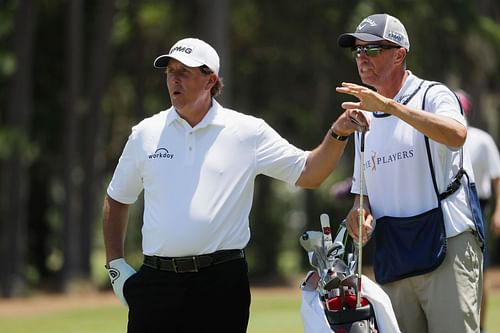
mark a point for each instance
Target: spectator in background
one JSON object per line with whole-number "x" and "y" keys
{"x": 486, "y": 166}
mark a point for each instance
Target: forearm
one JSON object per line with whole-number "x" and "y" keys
{"x": 441, "y": 129}
{"x": 321, "y": 162}
{"x": 495, "y": 218}
{"x": 324, "y": 158}
{"x": 115, "y": 220}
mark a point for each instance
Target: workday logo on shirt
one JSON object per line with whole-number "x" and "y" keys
{"x": 161, "y": 153}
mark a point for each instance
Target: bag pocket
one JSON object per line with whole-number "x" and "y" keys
{"x": 477, "y": 215}
{"x": 409, "y": 246}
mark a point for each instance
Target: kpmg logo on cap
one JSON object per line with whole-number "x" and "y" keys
{"x": 180, "y": 48}
{"x": 396, "y": 36}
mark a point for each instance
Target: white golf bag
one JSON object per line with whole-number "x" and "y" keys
{"x": 334, "y": 297}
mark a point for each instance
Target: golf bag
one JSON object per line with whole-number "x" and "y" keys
{"x": 333, "y": 296}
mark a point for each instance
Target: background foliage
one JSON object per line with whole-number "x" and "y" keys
{"x": 75, "y": 76}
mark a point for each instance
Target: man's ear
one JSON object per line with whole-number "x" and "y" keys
{"x": 211, "y": 81}
{"x": 400, "y": 55}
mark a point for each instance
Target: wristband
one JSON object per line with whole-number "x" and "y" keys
{"x": 338, "y": 137}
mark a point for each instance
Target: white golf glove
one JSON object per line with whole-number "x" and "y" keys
{"x": 119, "y": 271}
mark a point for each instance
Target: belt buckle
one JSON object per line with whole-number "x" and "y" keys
{"x": 193, "y": 259}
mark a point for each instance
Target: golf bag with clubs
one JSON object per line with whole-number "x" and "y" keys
{"x": 336, "y": 280}
{"x": 337, "y": 296}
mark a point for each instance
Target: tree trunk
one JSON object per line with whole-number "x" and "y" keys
{"x": 137, "y": 56}
{"x": 74, "y": 262}
{"x": 14, "y": 169}
{"x": 213, "y": 28}
{"x": 93, "y": 154}
{"x": 79, "y": 229}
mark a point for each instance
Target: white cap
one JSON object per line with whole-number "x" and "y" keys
{"x": 191, "y": 52}
{"x": 375, "y": 28}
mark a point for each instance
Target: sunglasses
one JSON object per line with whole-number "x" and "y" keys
{"x": 371, "y": 50}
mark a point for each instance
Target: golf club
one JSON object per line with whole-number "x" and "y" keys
{"x": 360, "y": 217}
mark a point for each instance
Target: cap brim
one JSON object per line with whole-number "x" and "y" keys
{"x": 348, "y": 40}
{"x": 162, "y": 61}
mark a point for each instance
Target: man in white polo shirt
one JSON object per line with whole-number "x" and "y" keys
{"x": 196, "y": 163}
{"x": 418, "y": 185}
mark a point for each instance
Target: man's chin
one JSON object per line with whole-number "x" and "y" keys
{"x": 176, "y": 99}
{"x": 366, "y": 78}
{"x": 176, "y": 103}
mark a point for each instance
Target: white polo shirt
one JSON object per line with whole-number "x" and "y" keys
{"x": 397, "y": 175}
{"x": 198, "y": 181}
{"x": 485, "y": 160}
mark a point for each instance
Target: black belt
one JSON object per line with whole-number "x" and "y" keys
{"x": 192, "y": 263}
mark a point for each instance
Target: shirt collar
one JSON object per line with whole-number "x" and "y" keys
{"x": 403, "y": 93}
{"x": 406, "y": 90}
{"x": 213, "y": 116}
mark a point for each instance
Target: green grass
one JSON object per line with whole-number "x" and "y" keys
{"x": 109, "y": 319}
{"x": 273, "y": 311}
{"x": 492, "y": 316}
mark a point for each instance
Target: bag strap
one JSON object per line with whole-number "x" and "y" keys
{"x": 456, "y": 181}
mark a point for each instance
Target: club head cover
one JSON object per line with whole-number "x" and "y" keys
{"x": 312, "y": 241}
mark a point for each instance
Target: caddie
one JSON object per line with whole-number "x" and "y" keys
{"x": 419, "y": 185}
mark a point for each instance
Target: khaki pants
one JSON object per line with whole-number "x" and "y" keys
{"x": 447, "y": 299}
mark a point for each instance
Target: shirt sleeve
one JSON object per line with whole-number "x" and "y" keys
{"x": 126, "y": 184}
{"x": 276, "y": 157}
{"x": 493, "y": 158}
{"x": 441, "y": 100}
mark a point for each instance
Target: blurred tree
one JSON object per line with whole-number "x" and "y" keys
{"x": 213, "y": 27}
{"x": 14, "y": 165}
{"x": 279, "y": 60}
{"x": 79, "y": 233}
{"x": 74, "y": 263}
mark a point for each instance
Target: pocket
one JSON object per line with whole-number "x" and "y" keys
{"x": 409, "y": 246}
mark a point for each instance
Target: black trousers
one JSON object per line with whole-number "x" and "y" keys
{"x": 215, "y": 299}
